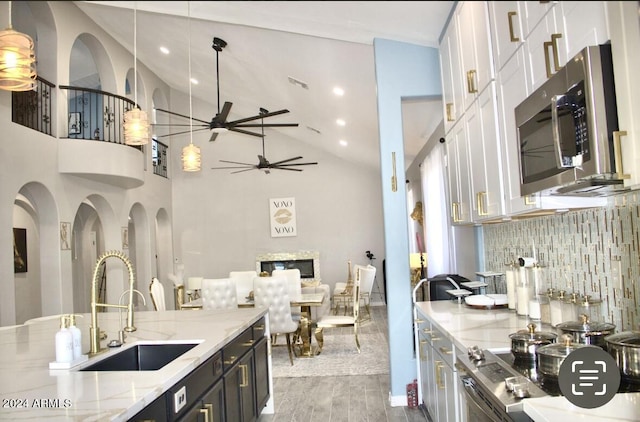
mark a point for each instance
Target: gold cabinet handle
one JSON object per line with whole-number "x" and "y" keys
{"x": 471, "y": 82}
{"x": 481, "y": 203}
{"x": 446, "y": 351}
{"x": 205, "y": 412}
{"x": 450, "y": 117}
{"x": 427, "y": 331}
{"x": 245, "y": 375}
{"x": 247, "y": 343}
{"x": 455, "y": 212}
{"x": 554, "y": 45}
{"x": 547, "y": 62}
{"x": 512, "y": 36}
{"x": 617, "y": 151}
{"x": 418, "y": 321}
{"x": 439, "y": 383}
{"x": 230, "y": 360}
{"x": 423, "y": 344}
{"x": 529, "y": 200}
{"x": 435, "y": 338}
{"x": 394, "y": 179}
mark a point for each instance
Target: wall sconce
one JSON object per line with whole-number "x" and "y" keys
{"x": 17, "y": 60}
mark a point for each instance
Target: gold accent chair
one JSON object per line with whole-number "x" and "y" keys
{"x": 335, "y": 321}
{"x": 272, "y": 293}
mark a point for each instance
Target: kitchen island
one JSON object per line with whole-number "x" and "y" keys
{"x": 31, "y": 391}
{"x": 466, "y": 327}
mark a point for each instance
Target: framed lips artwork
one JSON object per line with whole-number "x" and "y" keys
{"x": 282, "y": 212}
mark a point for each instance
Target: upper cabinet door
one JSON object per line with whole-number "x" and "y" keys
{"x": 532, "y": 14}
{"x": 506, "y": 30}
{"x": 451, "y": 77}
{"x": 476, "y": 55}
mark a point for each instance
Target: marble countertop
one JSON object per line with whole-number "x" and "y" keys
{"x": 490, "y": 329}
{"x": 30, "y": 390}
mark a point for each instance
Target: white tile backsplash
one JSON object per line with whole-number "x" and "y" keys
{"x": 593, "y": 252}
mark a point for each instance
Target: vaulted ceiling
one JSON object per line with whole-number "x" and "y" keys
{"x": 283, "y": 54}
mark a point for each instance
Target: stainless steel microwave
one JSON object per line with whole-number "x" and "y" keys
{"x": 566, "y": 130}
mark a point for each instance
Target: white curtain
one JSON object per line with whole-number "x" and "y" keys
{"x": 436, "y": 223}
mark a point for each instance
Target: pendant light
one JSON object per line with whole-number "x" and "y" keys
{"x": 17, "y": 60}
{"x": 136, "y": 123}
{"x": 191, "y": 153}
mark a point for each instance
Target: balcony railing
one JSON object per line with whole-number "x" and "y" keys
{"x": 33, "y": 108}
{"x": 95, "y": 114}
{"x": 92, "y": 115}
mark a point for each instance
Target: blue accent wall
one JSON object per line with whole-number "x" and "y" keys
{"x": 403, "y": 71}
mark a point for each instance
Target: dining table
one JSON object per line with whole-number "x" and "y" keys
{"x": 307, "y": 324}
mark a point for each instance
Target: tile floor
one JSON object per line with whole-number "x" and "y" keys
{"x": 362, "y": 398}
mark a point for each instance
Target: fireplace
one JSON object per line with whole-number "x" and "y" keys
{"x": 307, "y": 262}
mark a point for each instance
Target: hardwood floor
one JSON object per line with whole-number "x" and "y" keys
{"x": 362, "y": 398}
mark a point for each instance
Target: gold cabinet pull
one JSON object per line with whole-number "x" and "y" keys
{"x": 617, "y": 151}
{"x": 245, "y": 375}
{"x": 427, "y": 331}
{"x": 471, "y": 82}
{"x": 480, "y": 203}
{"x": 529, "y": 200}
{"x": 418, "y": 321}
{"x": 230, "y": 360}
{"x": 247, "y": 343}
{"x": 394, "y": 179}
{"x": 512, "y": 36}
{"x": 439, "y": 383}
{"x": 446, "y": 351}
{"x": 547, "y": 62}
{"x": 450, "y": 117}
{"x": 455, "y": 212}
{"x": 205, "y": 412}
{"x": 554, "y": 47}
{"x": 423, "y": 344}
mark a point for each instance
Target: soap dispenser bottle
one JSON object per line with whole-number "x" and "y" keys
{"x": 64, "y": 342}
{"x": 76, "y": 336}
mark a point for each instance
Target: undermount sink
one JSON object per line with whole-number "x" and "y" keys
{"x": 142, "y": 357}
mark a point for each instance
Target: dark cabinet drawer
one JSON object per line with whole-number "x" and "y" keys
{"x": 156, "y": 411}
{"x": 233, "y": 351}
{"x": 195, "y": 384}
{"x": 259, "y": 329}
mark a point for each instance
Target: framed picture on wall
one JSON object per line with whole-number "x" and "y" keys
{"x": 65, "y": 232}
{"x": 75, "y": 123}
{"x": 19, "y": 250}
{"x": 283, "y": 217}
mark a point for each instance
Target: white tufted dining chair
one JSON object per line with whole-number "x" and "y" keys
{"x": 294, "y": 287}
{"x": 218, "y": 293}
{"x": 271, "y": 293}
{"x": 244, "y": 283}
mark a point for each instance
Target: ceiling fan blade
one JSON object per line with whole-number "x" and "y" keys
{"x": 240, "y": 171}
{"x": 286, "y": 161}
{"x": 284, "y": 168}
{"x": 236, "y": 162}
{"x": 268, "y": 125}
{"x": 246, "y": 132}
{"x": 259, "y": 116}
{"x": 214, "y": 135}
{"x": 298, "y": 164}
{"x": 250, "y": 167}
{"x": 184, "y": 131}
{"x": 225, "y": 112}
{"x": 181, "y": 115}
{"x": 180, "y": 125}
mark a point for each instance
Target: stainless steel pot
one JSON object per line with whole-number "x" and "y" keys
{"x": 587, "y": 332}
{"x": 625, "y": 349}
{"x": 524, "y": 343}
{"x": 550, "y": 357}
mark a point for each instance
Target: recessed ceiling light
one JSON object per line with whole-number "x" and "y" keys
{"x": 164, "y": 50}
{"x": 194, "y": 81}
{"x": 340, "y": 122}
{"x": 338, "y": 91}
{"x": 343, "y": 143}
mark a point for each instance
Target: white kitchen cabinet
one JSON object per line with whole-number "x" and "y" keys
{"x": 487, "y": 191}
{"x": 437, "y": 373}
{"x": 476, "y": 56}
{"x": 563, "y": 31}
{"x": 532, "y": 14}
{"x": 625, "y": 45}
{"x": 506, "y": 30}
{"x": 458, "y": 174}
{"x": 452, "y": 107}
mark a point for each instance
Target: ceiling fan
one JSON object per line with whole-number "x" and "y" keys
{"x": 219, "y": 123}
{"x": 263, "y": 163}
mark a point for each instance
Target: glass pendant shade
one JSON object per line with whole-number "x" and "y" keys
{"x": 17, "y": 61}
{"x": 136, "y": 127}
{"x": 191, "y": 158}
